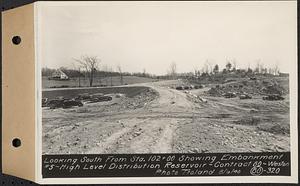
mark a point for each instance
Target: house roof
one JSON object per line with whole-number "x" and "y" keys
{"x": 59, "y": 73}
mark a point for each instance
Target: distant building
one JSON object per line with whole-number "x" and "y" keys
{"x": 58, "y": 75}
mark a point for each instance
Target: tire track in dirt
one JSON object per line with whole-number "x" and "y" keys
{"x": 115, "y": 142}
{"x": 169, "y": 99}
{"x": 139, "y": 140}
{"x": 156, "y": 136}
{"x": 144, "y": 130}
{"x": 104, "y": 146}
{"x": 165, "y": 141}
{"x": 143, "y": 142}
{"x": 154, "y": 131}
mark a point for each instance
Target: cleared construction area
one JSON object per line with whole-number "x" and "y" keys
{"x": 156, "y": 117}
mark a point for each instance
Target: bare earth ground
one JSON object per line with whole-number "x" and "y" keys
{"x": 169, "y": 121}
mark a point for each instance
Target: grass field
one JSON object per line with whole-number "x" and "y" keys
{"x": 72, "y": 93}
{"x": 84, "y": 82}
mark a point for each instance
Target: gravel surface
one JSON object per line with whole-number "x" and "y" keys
{"x": 164, "y": 120}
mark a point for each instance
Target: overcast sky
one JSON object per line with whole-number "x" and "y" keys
{"x": 151, "y": 35}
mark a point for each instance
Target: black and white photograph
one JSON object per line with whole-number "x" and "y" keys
{"x": 150, "y": 92}
{"x": 166, "y": 77}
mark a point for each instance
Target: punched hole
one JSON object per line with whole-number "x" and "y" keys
{"x": 16, "y": 142}
{"x": 16, "y": 40}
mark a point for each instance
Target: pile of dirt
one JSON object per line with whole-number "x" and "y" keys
{"x": 195, "y": 98}
{"x": 215, "y": 91}
{"x": 121, "y": 102}
{"x": 254, "y": 87}
{"x": 140, "y": 100}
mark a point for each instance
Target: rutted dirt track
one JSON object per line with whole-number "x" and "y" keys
{"x": 172, "y": 122}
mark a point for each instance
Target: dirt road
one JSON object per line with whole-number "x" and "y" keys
{"x": 171, "y": 123}
{"x": 151, "y": 128}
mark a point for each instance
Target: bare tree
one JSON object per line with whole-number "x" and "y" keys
{"x": 197, "y": 72}
{"x": 79, "y": 73}
{"x": 271, "y": 71}
{"x": 90, "y": 64}
{"x": 121, "y": 74}
{"x": 258, "y": 67}
{"x": 173, "y": 70}
{"x": 105, "y": 71}
{"x": 205, "y": 69}
{"x": 265, "y": 70}
{"x": 233, "y": 65}
{"x": 111, "y": 70}
{"x": 79, "y": 76}
{"x": 209, "y": 66}
{"x": 276, "y": 70}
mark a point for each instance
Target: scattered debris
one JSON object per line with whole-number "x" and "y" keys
{"x": 63, "y": 103}
{"x": 188, "y": 87}
{"x": 139, "y": 100}
{"x": 55, "y": 103}
{"x": 202, "y": 99}
{"x": 222, "y": 125}
{"x": 71, "y": 103}
{"x": 229, "y": 95}
{"x": 245, "y": 96}
{"x": 99, "y": 99}
{"x": 83, "y": 96}
{"x": 179, "y": 88}
{"x": 198, "y": 86}
{"x": 119, "y": 95}
{"x": 273, "y": 97}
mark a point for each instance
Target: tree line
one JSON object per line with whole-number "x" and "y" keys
{"x": 210, "y": 69}
{"x": 88, "y": 67}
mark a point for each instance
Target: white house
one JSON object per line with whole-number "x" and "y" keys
{"x": 59, "y": 75}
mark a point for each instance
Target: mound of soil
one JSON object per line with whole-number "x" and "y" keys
{"x": 141, "y": 99}
{"x": 254, "y": 87}
{"x": 214, "y": 91}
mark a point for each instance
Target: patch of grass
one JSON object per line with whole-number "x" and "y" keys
{"x": 72, "y": 93}
{"x": 98, "y": 81}
{"x": 274, "y": 128}
{"x": 248, "y": 120}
